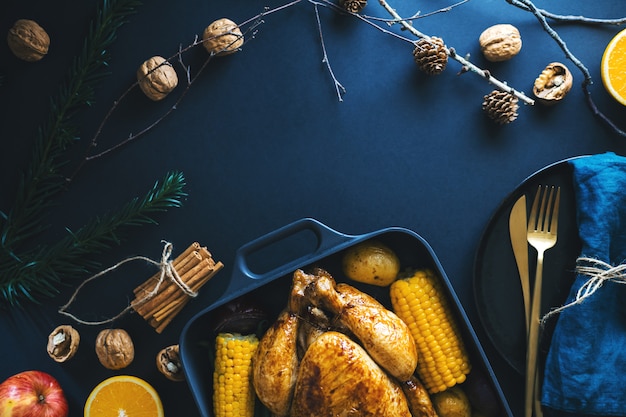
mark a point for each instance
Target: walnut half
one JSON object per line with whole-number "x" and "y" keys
{"x": 63, "y": 343}
{"x": 115, "y": 348}
{"x": 169, "y": 364}
{"x": 553, "y": 83}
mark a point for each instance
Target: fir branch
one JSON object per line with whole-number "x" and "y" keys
{"x": 41, "y": 272}
{"x": 43, "y": 178}
{"x": 30, "y": 273}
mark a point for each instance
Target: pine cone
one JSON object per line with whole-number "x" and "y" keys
{"x": 501, "y": 106}
{"x": 353, "y": 6}
{"x": 430, "y": 55}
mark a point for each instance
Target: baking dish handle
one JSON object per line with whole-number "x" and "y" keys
{"x": 328, "y": 241}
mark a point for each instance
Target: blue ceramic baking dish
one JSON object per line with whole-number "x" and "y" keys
{"x": 315, "y": 244}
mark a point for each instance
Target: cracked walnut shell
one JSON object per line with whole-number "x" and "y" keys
{"x": 115, "y": 348}
{"x": 169, "y": 364}
{"x": 157, "y": 78}
{"x": 553, "y": 83}
{"x": 28, "y": 41}
{"x": 222, "y": 37}
{"x": 500, "y": 42}
{"x": 63, "y": 343}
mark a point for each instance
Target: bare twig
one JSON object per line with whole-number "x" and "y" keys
{"x": 417, "y": 15}
{"x": 143, "y": 131}
{"x": 554, "y": 35}
{"x": 587, "y": 81}
{"x": 570, "y": 18}
{"x": 186, "y": 68}
{"x": 338, "y": 87}
{"x": 363, "y": 18}
{"x": 268, "y": 11}
{"x": 467, "y": 65}
{"x": 582, "y": 19}
{"x": 407, "y": 25}
{"x": 190, "y": 80}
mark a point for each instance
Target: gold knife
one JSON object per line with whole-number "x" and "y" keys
{"x": 517, "y": 233}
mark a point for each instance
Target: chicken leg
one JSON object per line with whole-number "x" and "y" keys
{"x": 275, "y": 362}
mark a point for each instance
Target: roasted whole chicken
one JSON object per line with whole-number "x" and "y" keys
{"x": 336, "y": 351}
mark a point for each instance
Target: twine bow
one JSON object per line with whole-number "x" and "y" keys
{"x": 167, "y": 272}
{"x": 598, "y": 272}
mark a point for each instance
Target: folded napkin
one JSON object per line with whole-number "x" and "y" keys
{"x": 585, "y": 370}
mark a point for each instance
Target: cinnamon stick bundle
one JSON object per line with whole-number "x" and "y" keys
{"x": 159, "y": 299}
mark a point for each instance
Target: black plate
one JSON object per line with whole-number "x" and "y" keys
{"x": 497, "y": 287}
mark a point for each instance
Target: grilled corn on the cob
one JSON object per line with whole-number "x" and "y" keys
{"x": 233, "y": 395}
{"x": 419, "y": 301}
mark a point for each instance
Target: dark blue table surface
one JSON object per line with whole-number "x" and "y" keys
{"x": 263, "y": 140}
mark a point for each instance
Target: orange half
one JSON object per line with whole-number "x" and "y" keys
{"x": 123, "y": 395}
{"x": 613, "y": 67}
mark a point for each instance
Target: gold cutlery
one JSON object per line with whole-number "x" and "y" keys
{"x": 542, "y": 235}
{"x": 517, "y": 233}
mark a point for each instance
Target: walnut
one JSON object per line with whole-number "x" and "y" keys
{"x": 115, "y": 348}
{"x": 222, "y": 37}
{"x": 157, "y": 78}
{"x": 63, "y": 343}
{"x": 553, "y": 83}
{"x": 28, "y": 41}
{"x": 500, "y": 42}
{"x": 169, "y": 364}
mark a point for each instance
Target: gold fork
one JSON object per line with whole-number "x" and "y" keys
{"x": 542, "y": 234}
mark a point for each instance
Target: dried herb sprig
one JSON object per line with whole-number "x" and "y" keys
{"x": 28, "y": 270}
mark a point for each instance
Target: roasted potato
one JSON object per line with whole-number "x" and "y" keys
{"x": 452, "y": 402}
{"x": 371, "y": 262}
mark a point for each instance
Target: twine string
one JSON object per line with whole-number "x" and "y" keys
{"x": 598, "y": 272}
{"x": 167, "y": 271}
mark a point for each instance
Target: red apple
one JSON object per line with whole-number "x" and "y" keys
{"x": 32, "y": 394}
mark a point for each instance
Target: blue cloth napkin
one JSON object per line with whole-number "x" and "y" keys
{"x": 585, "y": 370}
